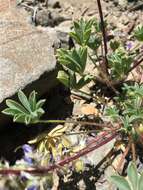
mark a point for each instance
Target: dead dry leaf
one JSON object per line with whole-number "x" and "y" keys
{"x": 88, "y": 109}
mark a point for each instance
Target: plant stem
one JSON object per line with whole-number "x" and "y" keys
{"x": 102, "y": 125}
{"x": 104, "y": 34}
{"x": 82, "y": 95}
{"x": 105, "y": 78}
{"x": 137, "y": 63}
{"x": 133, "y": 149}
{"x": 45, "y": 170}
{"x": 125, "y": 153}
{"x": 87, "y": 96}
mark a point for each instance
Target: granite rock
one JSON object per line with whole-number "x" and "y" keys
{"x": 26, "y": 53}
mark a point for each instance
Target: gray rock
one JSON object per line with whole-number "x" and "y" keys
{"x": 25, "y": 55}
{"x": 97, "y": 155}
{"x": 54, "y": 4}
{"x": 49, "y": 18}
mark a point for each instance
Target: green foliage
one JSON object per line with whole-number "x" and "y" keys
{"x": 114, "y": 45}
{"x": 120, "y": 63}
{"x": 139, "y": 33}
{"x": 27, "y": 111}
{"x": 112, "y": 112}
{"x": 69, "y": 79}
{"x": 133, "y": 181}
{"x": 87, "y": 33}
{"x": 126, "y": 109}
{"x": 94, "y": 42}
{"x": 131, "y": 110}
{"x": 133, "y": 104}
{"x": 82, "y": 31}
{"x": 88, "y": 36}
{"x": 135, "y": 90}
{"x": 74, "y": 60}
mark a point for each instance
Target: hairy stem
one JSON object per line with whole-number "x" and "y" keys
{"x": 41, "y": 171}
{"x": 104, "y": 34}
{"x": 133, "y": 149}
{"x": 121, "y": 162}
{"x": 102, "y": 125}
{"x": 137, "y": 63}
{"x": 87, "y": 96}
{"x": 105, "y": 78}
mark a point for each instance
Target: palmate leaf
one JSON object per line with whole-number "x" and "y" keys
{"x": 9, "y": 111}
{"x": 68, "y": 59}
{"x": 133, "y": 91}
{"x": 24, "y": 101}
{"x": 139, "y": 33}
{"x": 74, "y": 59}
{"x": 15, "y": 106}
{"x": 63, "y": 77}
{"x": 94, "y": 42}
{"x": 32, "y": 100}
{"x": 133, "y": 175}
{"x": 140, "y": 182}
{"x": 112, "y": 112}
{"x": 82, "y": 31}
{"x": 83, "y": 58}
{"x": 27, "y": 111}
{"x": 120, "y": 182}
{"x": 83, "y": 81}
{"x": 54, "y": 141}
{"x": 114, "y": 45}
{"x": 70, "y": 80}
{"x": 134, "y": 179}
{"x": 120, "y": 63}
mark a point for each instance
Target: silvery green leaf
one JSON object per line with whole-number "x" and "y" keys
{"x": 72, "y": 80}
{"x": 19, "y": 118}
{"x": 40, "y": 103}
{"x": 30, "y": 110}
{"x": 120, "y": 182}
{"x": 63, "y": 78}
{"x": 40, "y": 110}
{"x": 83, "y": 81}
{"x": 27, "y": 119}
{"x": 132, "y": 175}
{"x": 9, "y": 111}
{"x": 23, "y": 99}
{"x": 32, "y": 100}
{"x": 139, "y": 33}
{"x": 140, "y": 182}
{"x": 83, "y": 54}
{"x": 82, "y": 31}
{"x": 114, "y": 45}
{"x": 15, "y": 105}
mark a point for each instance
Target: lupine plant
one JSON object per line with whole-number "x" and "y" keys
{"x": 112, "y": 67}
{"x": 129, "y": 109}
{"x": 113, "y": 61}
{"x": 27, "y": 111}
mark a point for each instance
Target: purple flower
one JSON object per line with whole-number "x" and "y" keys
{"x": 32, "y": 187}
{"x": 27, "y": 148}
{"x": 28, "y": 160}
{"x": 23, "y": 178}
{"x": 129, "y": 45}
